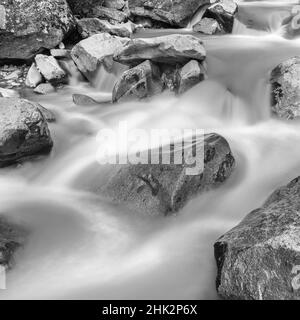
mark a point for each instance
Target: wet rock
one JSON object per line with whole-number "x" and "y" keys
{"x": 13, "y": 76}
{"x": 176, "y": 12}
{"x": 71, "y": 70}
{"x": 12, "y": 237}
{"x": 27, "y": 26}
{"x": 171, "y": 49}
{"x": 83, "y": 100}
{"x": 112, "y": 15}
{"x": 96, "y": 51}
{"x": 260, "y": 258}
{"x": 207, "y": 26}
{"x": 222, "y": 11}
{"x": 48, "y": 114}
{"x": 190, "y": 75}
{"x": 60, "y": 53}
{"x": 23, "y": 131}
{"x": 285, "y": 81}
{"x": 91, "y": 26}
{"x": 162, "y": 189}
{"x": 50, "y": 69}
{"x": 33, "y": 77}
{"x": 44, "y": 88}
{"x": 137, "y": 83}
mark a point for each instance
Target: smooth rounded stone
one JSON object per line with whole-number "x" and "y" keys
{"x": 96, "y": 51}
{"x": 60, "y": 53}
{"x": 175, "y": 12}
{"x": 285, "y": 81}
{"x": 12, "y": 237}
{"x": 28, "y": 26}
{"x": 91, "y": 26}
{"x": 24, "y": 131}
{"x": 190, "y": 75}
{"x": 84, "y": 8}
{"x": 115, "y": 4}
{"x": 163, "y": 189}
{"x": 83, "y": 100}
{"x": 138, "y": 83}
{"x": 260, "y": 258}
{"x": 207, "y": 26}
{"x": 44, "y": 88}
{"x": 171, "y": 49}
{"x": 223, "y": 11}
{"x": 49, "y": 68}
{"x": 33, "y": 77}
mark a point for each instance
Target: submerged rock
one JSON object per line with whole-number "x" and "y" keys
{"x": 260, "y": 258}
{"x": 207, "y": 26}
{"x": 44, "y": 88}
{"x": 33, "y": 77}
{"x": 169, "y": 49}
{"x": 162, "y": 189}
{"x": 176, "y": 12}
{"x": 83, "y": 100}
{"x": 222, "y": 11}
{"x": 137, "y": 83}
{"x": 91, "y": 26}
{"x": 23, "y": 131}
{"x": 12, "y": 237}
{"x": 50, "y": 69}
{"x": 285, "y": 81}
{"x": 96, "y": 51}
{"x": 190, "y": 75}
{"x": 28, "y": 26}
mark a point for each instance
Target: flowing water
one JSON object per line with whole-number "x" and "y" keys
{"x": 80, "y": 246}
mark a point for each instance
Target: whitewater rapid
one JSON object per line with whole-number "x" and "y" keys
{"x": 81, "y": 246}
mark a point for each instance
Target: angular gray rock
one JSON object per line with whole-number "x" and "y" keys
{"x": 285, "y": 81}
{"x": 173, "y": 12}
{"x": 162, "y": 189}
{"x": 23, "y": 131}
{"x": 115, "y": 4}
{"x": 91, "y": 26}
{"x": 137, "y": 83}
{"x": 50, "y": 69}
{"x": 260, "y": 258}
{"x": 190, "y": 75}
{"x": 112, "y": 15}
{"x": 28, "y": 26}
{"x": 60, "y": 53}
{"x": 223, "y": 11}
{"x": 12, "y": 237}
{"x": 207, "y": 26}
{"x": 171, "y": 49}
{"x": 96, "y": 51}
{"x": 33, "y": 77}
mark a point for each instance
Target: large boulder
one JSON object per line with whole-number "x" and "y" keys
{"x": 171, "y": 49}
{"x": 162, "y": 189}
{"x": 260, "y": 258}
{"x": 285, "y": 81}
{"x": 173, "y": 12}
{"x": 88, "y": 27}
{"x": 137, "y": 83}
{"x": 94, "y": 52}
{"x": 28, "y": 26}
{"x": 23, "y": 131}
{"x": 12, "y": 237}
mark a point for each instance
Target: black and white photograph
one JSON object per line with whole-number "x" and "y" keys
{"x": 149, "y": 151}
